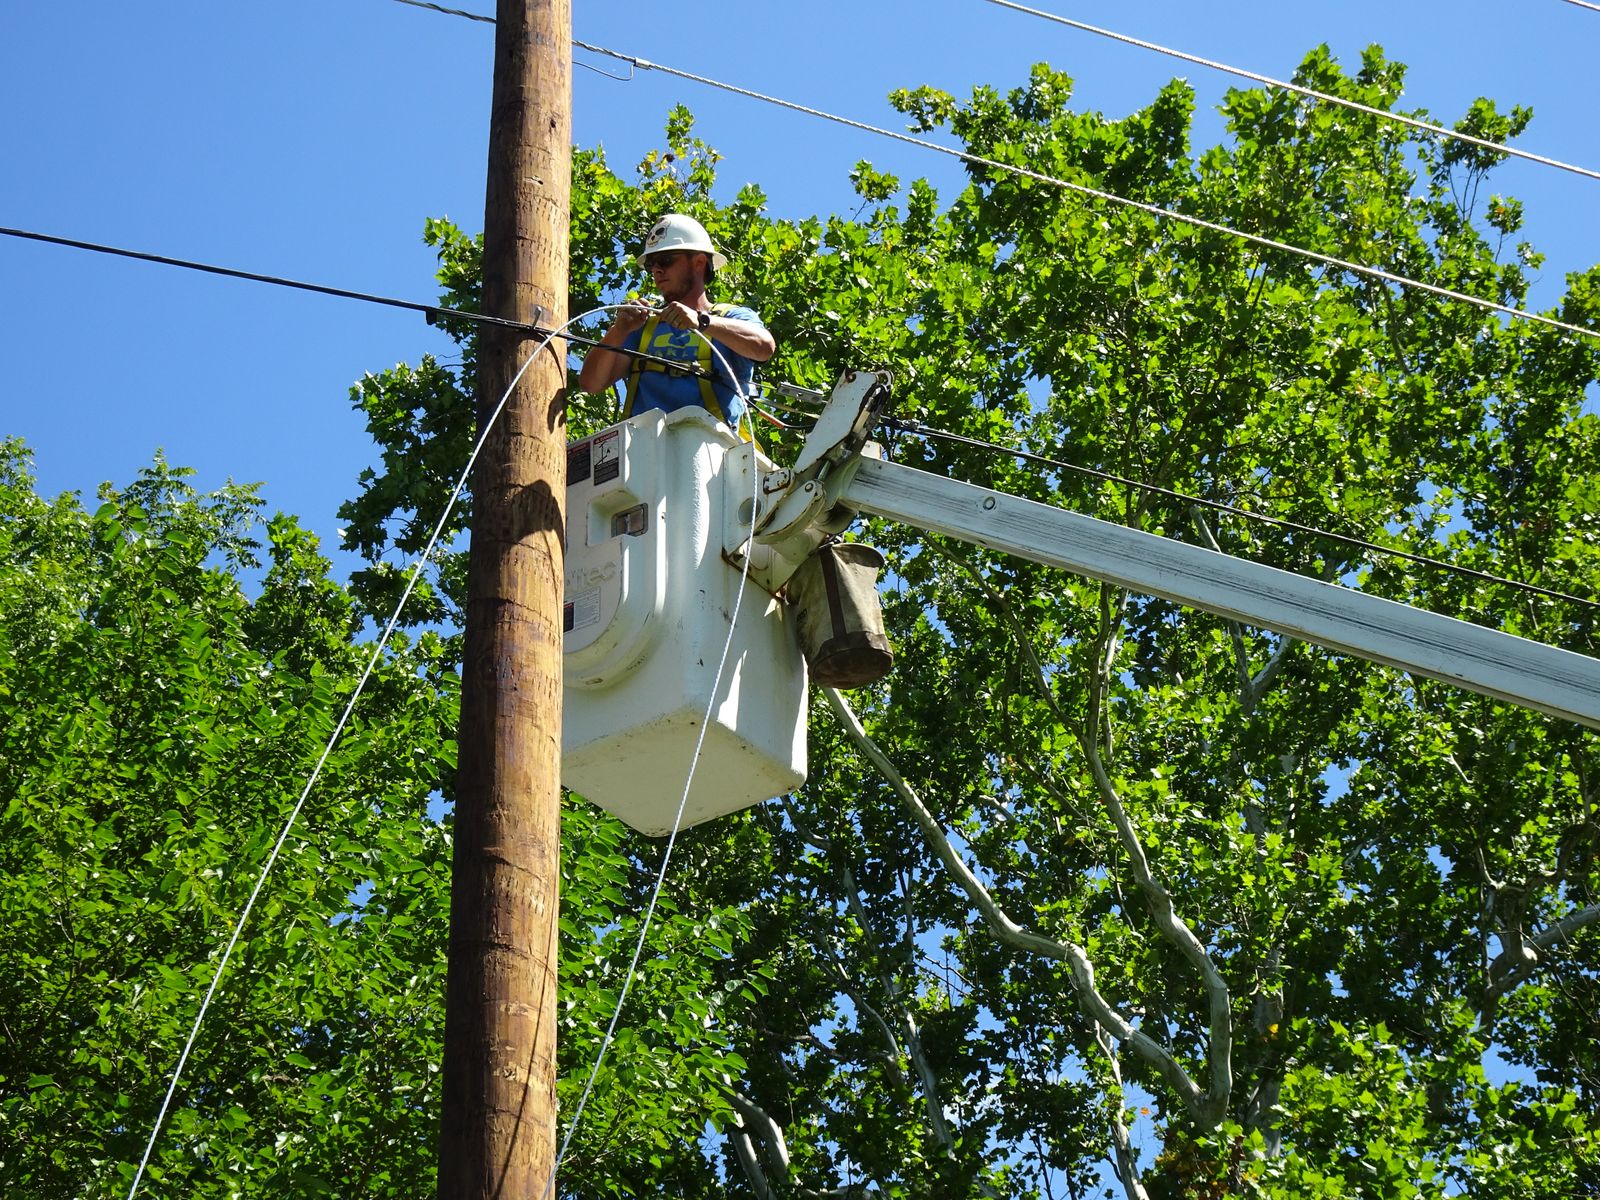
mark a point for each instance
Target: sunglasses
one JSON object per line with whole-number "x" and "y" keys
{"x": 665, "y": 258}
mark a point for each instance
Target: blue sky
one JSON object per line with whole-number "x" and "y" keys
{"x": 310, "y": 139}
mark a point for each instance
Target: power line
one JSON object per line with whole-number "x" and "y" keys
{"x": 1325, "y": 97}
{"x": 449, "y": 12}
{"x": 643, "y": 64}
{"x": 1110, "y": 197}
{"x": 431, "y": 311}
{"x": 434, "y": 313}
{"x": 1213, "y": 64}
{"x": 921, "y": 430}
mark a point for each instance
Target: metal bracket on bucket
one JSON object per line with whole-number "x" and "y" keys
{"x": 799, "y": 506}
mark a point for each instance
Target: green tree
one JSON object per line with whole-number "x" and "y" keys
{"x": 1094, "y": 893}
{"x": 160, "y": 724}
{"x": 1097, "y": 888}
{"x": 158, "y": 729}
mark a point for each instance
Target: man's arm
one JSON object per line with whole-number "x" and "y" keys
{"x": 742, "y": 335}
{"x": 749, "y": 338}
{"x": 601, "y": 368}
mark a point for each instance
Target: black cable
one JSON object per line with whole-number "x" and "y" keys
{"x": 432, "y": 312}
{"x": 449, "y": 12}
{"x": 917, "y": 427}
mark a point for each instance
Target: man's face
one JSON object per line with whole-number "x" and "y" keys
{"x": 676, "y": 272}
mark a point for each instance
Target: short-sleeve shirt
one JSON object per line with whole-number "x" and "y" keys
{"x": 668, "y": 391}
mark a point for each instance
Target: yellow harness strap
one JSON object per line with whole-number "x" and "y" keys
{"x": 708, "y": 394}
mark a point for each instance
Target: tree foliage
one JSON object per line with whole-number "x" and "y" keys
{"x": 1094, "y": 893}
{"x": 161, "y": 723}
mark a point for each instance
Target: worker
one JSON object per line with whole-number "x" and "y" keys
{"x": 681, "y": 260}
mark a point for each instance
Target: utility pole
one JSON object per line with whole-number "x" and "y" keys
{"x": 497, "y": 1136}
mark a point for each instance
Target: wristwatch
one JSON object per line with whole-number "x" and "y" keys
{"x": 705, "y": 321}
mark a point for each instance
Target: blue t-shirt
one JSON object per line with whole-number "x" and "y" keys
{"x": 668, "y": 391}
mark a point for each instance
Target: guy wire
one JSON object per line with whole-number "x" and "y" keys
{"x": 694, "y": 762}
{"x": 333, "y": 738}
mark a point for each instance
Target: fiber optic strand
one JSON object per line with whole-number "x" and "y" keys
{"x": 333, "y": 739}
{"x": 1110, "y": 197}
{"x": 1311, "y": 93}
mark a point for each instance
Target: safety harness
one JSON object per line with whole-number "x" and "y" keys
{"x": 708, "y": 394}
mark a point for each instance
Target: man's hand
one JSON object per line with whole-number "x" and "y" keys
{"x": 602, "y": 367}
{"x": 680, "y": 316}
{"x": 630, "y": 316}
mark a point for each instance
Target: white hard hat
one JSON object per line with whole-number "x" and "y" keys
{"x": 678, "y": 232}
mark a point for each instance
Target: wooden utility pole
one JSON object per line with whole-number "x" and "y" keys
{"x": 497, "y": 1137}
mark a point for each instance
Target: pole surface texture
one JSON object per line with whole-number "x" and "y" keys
{"x": 497, "y": 1135}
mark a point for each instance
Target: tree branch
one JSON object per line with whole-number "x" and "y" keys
{"x": 1081, "y": 969}
{"x": 1524, "y": 954}
{"x": 1214, "y": 1106}
{"x": 1180, "y": 936}
{"x": 919, "y": 1059}
{"x": 749, "y": 1116}
{"x": 775, "y": 1147}
{"x": 847, "y": 985}
{"x": 1251, "y": 687}
{"x": 1125, "y": 1159}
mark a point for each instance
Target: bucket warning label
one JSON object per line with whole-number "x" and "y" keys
{"x": 607, "y": 456}
{"x": 577, "y": 463}
{"x": 581, "y": 611}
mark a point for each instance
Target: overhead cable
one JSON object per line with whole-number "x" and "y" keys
{"x": 449, "y": 12}
{"x": 1110, "y": 197}
{"x": 643, "y": 64}
{"x": 921, "y": 430}
{"x": 1213, "y": 64}
{"x": 432, "y": 312}
{"x": 472, "y": 16}
{"x": 1325, "y": 97}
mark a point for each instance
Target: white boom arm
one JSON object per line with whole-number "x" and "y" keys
{"x": 1497, "y": 664}
{"x": 1502, "y": 665}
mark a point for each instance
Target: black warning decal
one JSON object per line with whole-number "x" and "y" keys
{"x": 577, "y": 463}
{"x": 607, "y": 456}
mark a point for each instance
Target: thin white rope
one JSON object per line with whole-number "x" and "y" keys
{"x": 1325, "y": 97}
{"x": 333, "y": 739}
{"x": 1110, "y": 197}
{"x": 694, "y": 762}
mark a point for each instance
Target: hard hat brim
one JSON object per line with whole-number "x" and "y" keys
{"x": 718, "y": 258}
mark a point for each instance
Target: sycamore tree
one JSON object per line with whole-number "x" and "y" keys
{"x": 1093, "y": 895}
{"x": 1096, "y": 893}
